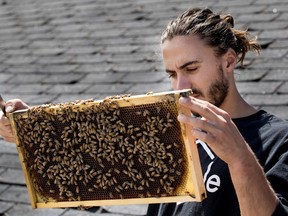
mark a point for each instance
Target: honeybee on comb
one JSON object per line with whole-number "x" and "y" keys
{"x": 99, "y": 152}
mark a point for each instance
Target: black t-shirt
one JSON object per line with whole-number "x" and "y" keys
{"x": 267, "y": 136}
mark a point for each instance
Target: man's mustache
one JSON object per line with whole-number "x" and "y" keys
{"x": 196, "y": 92}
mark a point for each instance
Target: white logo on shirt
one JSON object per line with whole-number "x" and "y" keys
{"x": 213, "y": 182}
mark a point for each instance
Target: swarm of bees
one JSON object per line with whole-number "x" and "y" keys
{"x": 98, "y": 151}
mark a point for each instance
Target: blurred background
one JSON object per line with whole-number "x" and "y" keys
{"x": 66, "y": 50}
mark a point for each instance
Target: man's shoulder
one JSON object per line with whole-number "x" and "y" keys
{"x": 263, "y": 131}
{"x": 260, "y": 119}
{"x": 275, "y": 122}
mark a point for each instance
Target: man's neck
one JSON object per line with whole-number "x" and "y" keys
{"x": 236, "y": 106}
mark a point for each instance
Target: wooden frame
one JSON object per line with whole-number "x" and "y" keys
{"x": 192, "y": 188}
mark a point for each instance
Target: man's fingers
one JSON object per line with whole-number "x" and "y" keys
{"x": 205, "y": 109}
{"x": 7, "y": 133}
{"x": 197, "y": 123}
{"x": 6, "y": 130}
{"x": 200, "y": 107}
{"x": 9, "y": 139}
{"x": 16, "y": 104}
{"x": 4, "y": 121}
{"x": 211, "y": 125}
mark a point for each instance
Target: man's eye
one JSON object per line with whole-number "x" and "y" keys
{"x": 172, "y": 75}
{"x": 191, "y": 69}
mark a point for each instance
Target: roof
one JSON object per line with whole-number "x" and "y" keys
{"x": 64, "y": 50}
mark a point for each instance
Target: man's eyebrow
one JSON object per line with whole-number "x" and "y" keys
{"x": 169, "y": 71}
{"x": 183, "y": 66}
{"x": 188, "y": 63}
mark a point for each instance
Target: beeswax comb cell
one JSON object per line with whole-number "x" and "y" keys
{"x": 120, "y": 150}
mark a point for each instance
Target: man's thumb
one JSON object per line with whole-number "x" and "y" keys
{"x": 16, "y": 104}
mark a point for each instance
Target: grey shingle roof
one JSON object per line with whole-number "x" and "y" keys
{"x": 63, "y": 50}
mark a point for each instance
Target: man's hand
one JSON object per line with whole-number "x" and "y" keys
{"x": 5, "y": 126}
{"x": 216, "y": 128}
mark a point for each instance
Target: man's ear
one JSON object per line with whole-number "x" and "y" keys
{"x": 230, "y": 60}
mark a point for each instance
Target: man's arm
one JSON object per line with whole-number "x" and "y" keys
{"x": 216, "y": 128}
{"x": 255, "y": 195}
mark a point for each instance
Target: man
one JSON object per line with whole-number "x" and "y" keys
{"x": 243, "y": 151}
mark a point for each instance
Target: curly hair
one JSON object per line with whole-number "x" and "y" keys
{"x": 217, "y": 30}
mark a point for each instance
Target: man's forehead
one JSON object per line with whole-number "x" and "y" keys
{"x": 180, "y": 50}
{"x": 181, "y": 60}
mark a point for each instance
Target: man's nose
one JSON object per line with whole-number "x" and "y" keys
{"x": 183, "y": 83}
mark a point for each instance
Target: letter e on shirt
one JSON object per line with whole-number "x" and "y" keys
{"x": 213, "y": 183}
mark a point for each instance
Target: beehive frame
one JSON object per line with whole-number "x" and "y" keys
{"x": 120, "y": 150}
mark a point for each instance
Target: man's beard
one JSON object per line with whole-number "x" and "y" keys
{"x": 218, "y": 90}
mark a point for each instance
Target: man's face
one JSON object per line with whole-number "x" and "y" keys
{"x": 191, "y": 64}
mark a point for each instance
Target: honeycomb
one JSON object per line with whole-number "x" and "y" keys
{"x": 89, "y": 150}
